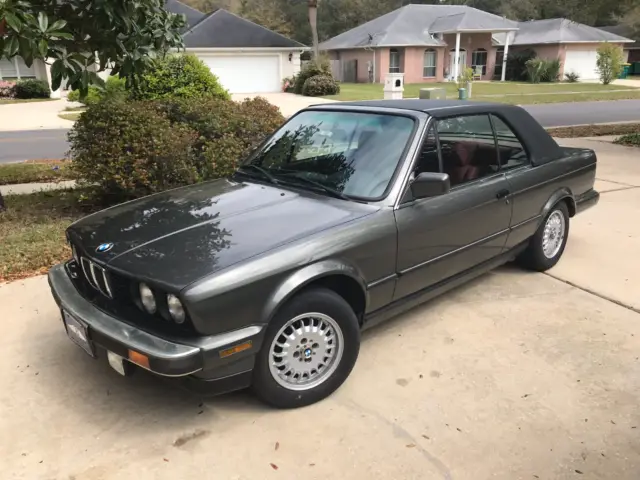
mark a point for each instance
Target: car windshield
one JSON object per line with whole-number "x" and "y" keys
{"x": 344, "y": 153}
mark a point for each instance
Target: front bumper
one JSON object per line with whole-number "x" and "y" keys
{"x": 199, "y": 361}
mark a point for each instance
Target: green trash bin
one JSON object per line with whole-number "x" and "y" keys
{"x": 462, "y": 94}
{"x": 625, "y": 70}
{"x": 635, "y": 67}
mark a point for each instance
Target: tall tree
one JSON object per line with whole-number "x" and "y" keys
{"x": 75, "y": 35}
{"x": 271, "y": 14}
{"x": 313, "y": 22}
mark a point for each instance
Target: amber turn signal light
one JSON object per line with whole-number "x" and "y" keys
{"x": 237, "y": 349}
{"x": 139, "y": 359}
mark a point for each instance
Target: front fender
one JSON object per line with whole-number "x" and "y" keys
{"x": 306, "y": 275}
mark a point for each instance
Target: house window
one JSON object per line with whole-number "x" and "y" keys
{"x": 394, "y": 61}
{"x": 429, "y": 64}
{"x": 497, "y": 73}
{"x": 479, "y": 59}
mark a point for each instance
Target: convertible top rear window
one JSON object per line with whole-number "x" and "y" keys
{"x": 353, "y": 153}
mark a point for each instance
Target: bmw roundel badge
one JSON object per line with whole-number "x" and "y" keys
{"x": 105, "y": 247}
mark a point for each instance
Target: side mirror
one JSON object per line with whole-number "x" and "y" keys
{"x": 429, "y": 184}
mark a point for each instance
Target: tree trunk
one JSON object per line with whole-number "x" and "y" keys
{"x": 313, "y": 21}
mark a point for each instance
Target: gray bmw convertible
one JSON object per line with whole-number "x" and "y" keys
{"x": 347, "y": 215}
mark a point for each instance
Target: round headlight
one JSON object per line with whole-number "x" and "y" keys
{"x": 176, "y": 310}
{"x": 147, "y": 298}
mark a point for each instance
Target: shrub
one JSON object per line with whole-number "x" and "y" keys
{"x": 551, "y": 70}
{"x": 226, "y": 130}
{"x": 609, "y": 62}
{"x": 535, "y": 69}
{"x": 311, "y": 69}
{"x": 289, "y": 84}
{"x": 631, "y": 139}
{"x": 572, "y": 77}
{"x": 130, "y": 149}
{"x": 517, "y": 64}
{"x": 114, "y": 89}
{"x": 32, "y": 88}
{"x": 183, "y": 76}
{"x": 7, "y": 89}
{"x": 134, "y": 148}
{"x": 320, "y": 85}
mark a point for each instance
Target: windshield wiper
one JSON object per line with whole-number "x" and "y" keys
{"x": 263, "y": 171}
{"x": 331, "y": 191}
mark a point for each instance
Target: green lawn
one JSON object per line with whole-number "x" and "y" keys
{"x": 504, "y": 92}
{"x": 8, "y": 101}
{"x": 44, "y": 171}
{"x": 71, "y": 116}
{"x": 32, "y": 232}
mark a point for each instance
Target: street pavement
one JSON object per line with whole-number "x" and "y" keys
{"x": 33, "y": 145}
{"x": 37, "y": 144}
{"x": 517, "y": 375}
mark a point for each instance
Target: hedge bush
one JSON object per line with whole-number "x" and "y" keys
{"x": 129, "y": 149}
{"x": 7, "y": 89}
{"x": 114, "y": 89}
{"x": 631, "y": 139}
{"x": 311, "y": 69}
{"x": 32, "y": 88}
{"x": 139, "y": 147}
{"x": 183, "y": 76}
{"x": 541, "y": 70}
{"x": 320, "y": 85}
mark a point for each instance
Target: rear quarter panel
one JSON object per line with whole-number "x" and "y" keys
{"x": 535, "y": 189}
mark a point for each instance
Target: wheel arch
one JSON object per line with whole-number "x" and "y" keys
{"x": 562, "y": 194}
{"x": 341, "y": 277}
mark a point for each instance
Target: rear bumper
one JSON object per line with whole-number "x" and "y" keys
{"x": 587, "y": 200}
{"x": 199, "y": 362}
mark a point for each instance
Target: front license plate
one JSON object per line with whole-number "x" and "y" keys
{"x": 78, "y": 332}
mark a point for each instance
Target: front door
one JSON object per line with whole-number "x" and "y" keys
{"x": 462, "y": 63}
{"x": 443, "y": 236}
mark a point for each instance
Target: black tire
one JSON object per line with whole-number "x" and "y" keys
{"x": 534, "y": 257}
{"x": 316, "y": 300}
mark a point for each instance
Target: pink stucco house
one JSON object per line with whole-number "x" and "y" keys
{"x": 432, "y": 43}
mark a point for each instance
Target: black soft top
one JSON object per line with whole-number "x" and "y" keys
{"x": 542, "y": 148}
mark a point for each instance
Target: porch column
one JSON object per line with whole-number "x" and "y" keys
{"x": 15, "y": 63}
{"x": 504, "y": 56}
{"x": 456, "y": 59}
{"x": 47, "y": 71}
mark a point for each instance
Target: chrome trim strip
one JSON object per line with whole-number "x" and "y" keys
{"x": 453, "y": 252}
{"x": 90, "y": 267}
{"x": 382, "y": 280}
{"x": 522, "y": 224}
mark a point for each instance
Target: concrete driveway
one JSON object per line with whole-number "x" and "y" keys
{"x": 517, "y": 375}
{"x": 34, "y": 115}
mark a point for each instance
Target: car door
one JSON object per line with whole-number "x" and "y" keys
{"x": 529, "y": 191}
{"x": 443, "y": 236}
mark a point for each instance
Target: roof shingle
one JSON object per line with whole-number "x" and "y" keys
{"x": 223, "y": 29}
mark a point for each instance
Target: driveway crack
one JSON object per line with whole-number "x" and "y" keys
{"x": 593, "y": 292}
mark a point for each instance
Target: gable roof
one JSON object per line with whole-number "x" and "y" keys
{"x": 416, "y": 25}
{"x": 223, "y": 29}
{"x": 559, "y": 30}
{"x": 179, "y": 8}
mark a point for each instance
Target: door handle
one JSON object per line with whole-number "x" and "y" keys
{"x": 502, "y": 193}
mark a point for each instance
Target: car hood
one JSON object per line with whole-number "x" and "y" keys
{"x": 177, "y": 237}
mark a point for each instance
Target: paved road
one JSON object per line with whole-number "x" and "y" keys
{"x": 37, "y": 144}
{"x": 32, "y": 145}
{"x": 579, "y": 113}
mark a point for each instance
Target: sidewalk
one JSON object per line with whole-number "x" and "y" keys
{"x": 25, "y": 188}
{"x": 34, "y": 115}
